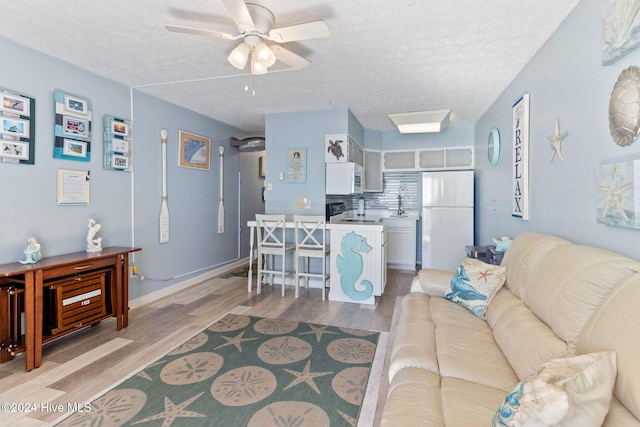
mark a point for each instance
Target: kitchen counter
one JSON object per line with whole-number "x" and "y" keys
{"x": 372, "y": 228}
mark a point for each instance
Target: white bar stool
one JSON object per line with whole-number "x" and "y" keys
{"x": 311, "y": 242}
{"x": 271, "y": 232}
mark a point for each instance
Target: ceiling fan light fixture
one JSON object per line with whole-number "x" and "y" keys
{"x": 265, "y": 55}
{"x": 239, "y": 56}
{"x": 421, "y": 121}
{"x": 256, "y": 65}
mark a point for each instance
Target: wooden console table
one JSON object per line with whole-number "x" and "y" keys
{"x": 81, "y": 289}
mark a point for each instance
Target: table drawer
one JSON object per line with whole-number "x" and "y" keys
{"x": 76, "y": 301}
{"x": 79, "y": 267}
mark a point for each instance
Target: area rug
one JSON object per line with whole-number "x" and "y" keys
{"x": 246, "y": 371}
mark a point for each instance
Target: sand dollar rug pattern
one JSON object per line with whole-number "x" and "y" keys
{"x": 246, "y": 371}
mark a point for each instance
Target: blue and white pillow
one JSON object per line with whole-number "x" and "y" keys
{"x": 475, "y": 284}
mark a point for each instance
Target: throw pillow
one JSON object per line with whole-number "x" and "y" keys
{"x": 475, "y": 284}
{"x": 573, "y": 391}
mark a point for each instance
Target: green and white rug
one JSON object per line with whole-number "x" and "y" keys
{"x": 246, "y": 371}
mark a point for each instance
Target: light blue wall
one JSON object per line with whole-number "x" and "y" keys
{"x": 565, "y": 80}
{"x": 306, "y": 129}
{"x": 28, "y": 192}
{"x": 193, "y": 197}
{"x": 126, "y": 204}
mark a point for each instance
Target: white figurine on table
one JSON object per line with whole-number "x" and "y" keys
{"x": 93, "y": 244}
{"x": 32, "y": 251}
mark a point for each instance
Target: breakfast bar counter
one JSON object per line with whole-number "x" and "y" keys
{"x": 357, "y": 258}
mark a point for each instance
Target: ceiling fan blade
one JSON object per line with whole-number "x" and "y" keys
{"x": 289, "y": 58}
{"x": 306, "y": 31}
{"x": 199, "y": 31}
{"x": 240, "y": 15}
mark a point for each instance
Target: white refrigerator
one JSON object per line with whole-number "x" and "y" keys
{"x": 447, "y": 218}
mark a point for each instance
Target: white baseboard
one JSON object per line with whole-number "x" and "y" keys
{"x": 161, "y": 293}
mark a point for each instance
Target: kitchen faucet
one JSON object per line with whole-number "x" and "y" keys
{"x": 400, "y": 210}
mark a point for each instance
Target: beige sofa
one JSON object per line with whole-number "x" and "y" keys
{"x": 449, "y": 367}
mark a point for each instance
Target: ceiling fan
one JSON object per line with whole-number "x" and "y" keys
{"x": 254, "y": 24}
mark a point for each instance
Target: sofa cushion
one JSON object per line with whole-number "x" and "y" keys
{"x": 570, "y": 282}
{"x": 619, "y": 415}
{"x": 413, "y": 400}
{"x": 474, "y": 285}
{"x": 526, "y": 341}
{"x": 466, "y": 348}
{"x": 523, "y": 257}
{"x": 615, "y": 325}
{"x": 432, "y": 281}
{"x": 467, "y": 404}
{"x": 574, "y": 391}
{"x": 415, "y": 344}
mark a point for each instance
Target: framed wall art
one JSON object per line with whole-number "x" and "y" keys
{"x": 117, "y": 144}
{"x": 73, "y": 187}
{"x": 520, "y": 195}
{"x": 72, "y": 129}
{"x": 194, "y": 151}
{"x": 297, "y": 165}
{"x": 17, "y": 128}
{"x": 621, "y": 29}
{"x": 617, "y": 194}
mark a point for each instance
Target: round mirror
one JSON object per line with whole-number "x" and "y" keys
{"x": 493, "y": 146}
{"x": 624, "y": 107}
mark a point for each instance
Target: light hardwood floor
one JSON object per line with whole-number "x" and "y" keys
{"x": 79, "y": 367}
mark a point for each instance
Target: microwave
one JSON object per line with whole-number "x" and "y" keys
{"x": 343, "y": 178}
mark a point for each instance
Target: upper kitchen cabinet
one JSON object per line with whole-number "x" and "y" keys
{"x": 342, "y": 148}
{"x": 442, "y": 158}
{"x": 373, "y": 171}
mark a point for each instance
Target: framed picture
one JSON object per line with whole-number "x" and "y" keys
{"x": 17, "y": 128}
{"x": 73, "y": 187}
{"x": 119, "y": 161}
{"x": 120, "y": 145}
{"x": 14, "y": 149}
{"x": 520, "y": 195}
{"x": 75, "y": 105}
{"x": 119, "y": 128}
{"x": 74, "y": 148}
{"x": 15, "y": 104}
{"x": 262, "y": 167}
{"x": 14, "y": 127}
{"x": 194, "y": 151}
{"x": 117, "y": 144}
{"x": 297, "y": 165}
{"x": 75, "y": 127}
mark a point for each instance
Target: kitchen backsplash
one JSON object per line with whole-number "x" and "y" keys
{"x": 405, "y": 184}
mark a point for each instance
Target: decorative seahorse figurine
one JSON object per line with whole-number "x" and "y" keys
{"x": 350, "y": 266}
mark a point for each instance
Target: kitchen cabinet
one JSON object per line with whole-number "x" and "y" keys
{"x": 399, "y": 160}
{"x": 357, "y": 262}
{"x": 401, "y": 242}
{"x": 373, "y": 171}
{"x": 443, "y": 158}
{"x": 342, "y": 148}
{"x": 446, "y": 158}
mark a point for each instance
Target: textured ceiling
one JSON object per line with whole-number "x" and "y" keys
{"x": 383, "y": 56}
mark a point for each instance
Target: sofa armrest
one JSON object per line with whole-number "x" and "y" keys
{"x": 430, "y": 279}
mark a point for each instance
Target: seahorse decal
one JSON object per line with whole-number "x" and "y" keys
{"x": 350, "y": 266}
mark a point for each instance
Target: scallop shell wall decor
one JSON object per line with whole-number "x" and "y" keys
{"x": 621, "y": 29}
{"x": 624, "y": 107}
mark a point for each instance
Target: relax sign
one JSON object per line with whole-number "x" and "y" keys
{"x": 520, "y": 196}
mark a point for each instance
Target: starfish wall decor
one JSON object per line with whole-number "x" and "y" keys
{"x": 555, "y": 140}
{"x": 617, "y": 204}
